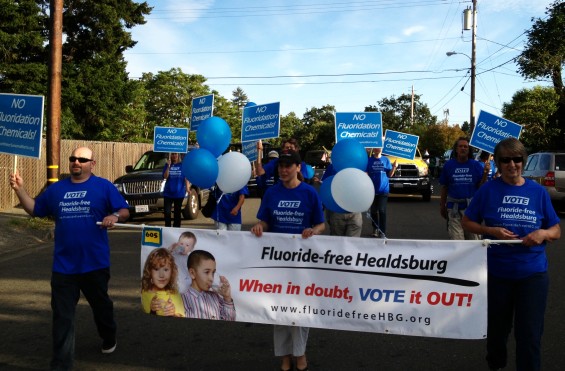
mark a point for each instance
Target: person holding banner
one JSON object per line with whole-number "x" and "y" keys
{"x": 379, "y": 170}
{"x": 81, "y": 259}
{"x": 176, "y": 186}
{"x": 511, "y": 207}
{"x": 300, "y": 199}
{"x": 460, "y": 178}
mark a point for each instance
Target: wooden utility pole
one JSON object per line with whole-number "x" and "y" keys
{"x": 54, "y": 96}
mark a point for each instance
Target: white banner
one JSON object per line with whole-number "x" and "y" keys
{"x": 407, "y": 287}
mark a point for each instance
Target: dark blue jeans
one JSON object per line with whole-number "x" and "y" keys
{"x": 65, "y": 293}
{"x": 523, "y": 302}
{"x": 378, "y": 212}
{"x": 167, "y": 205}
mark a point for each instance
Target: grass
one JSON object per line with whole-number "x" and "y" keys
{"x": 40, "y": 224}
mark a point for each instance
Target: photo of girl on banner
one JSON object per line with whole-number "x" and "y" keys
{"x": 159, "y": 292}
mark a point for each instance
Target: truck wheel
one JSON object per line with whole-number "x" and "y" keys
{"x": 192, "y": 208}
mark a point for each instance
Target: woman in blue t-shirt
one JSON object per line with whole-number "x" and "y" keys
{"x": 176, "y": 186}
{"x": 514, "y": 208}
{"x": 290, "y": 206}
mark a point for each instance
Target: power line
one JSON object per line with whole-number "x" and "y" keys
{"x": 293, "y": 9}
{"x": 286, "y": 50}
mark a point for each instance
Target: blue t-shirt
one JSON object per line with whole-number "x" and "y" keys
{"x": 522, "y": 210}
{"x": 291, "y": 210}
{"x": 378, "y": 170}
{"x": 462, "y": 179}
{"x": 175, "y": 186}
{"x": 222, "y": 212}
{"x": 80, "y": 245}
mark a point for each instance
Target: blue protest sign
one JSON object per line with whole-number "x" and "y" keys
{"x": 249, "y": 149}
{"x": 21, "y": 124}
{"x": 170, "y": 139}
{"x": 202, "y": 108}
{"x": 367, "y": 127}
{"x": 491, "y": 129}
{"x": 260, "y": 122}
{"x": 400, "y": 144}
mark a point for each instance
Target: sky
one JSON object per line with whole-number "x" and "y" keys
{"x": 349, "y": 54}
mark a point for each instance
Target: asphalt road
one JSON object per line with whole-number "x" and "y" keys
{"x": 156, "y": 343}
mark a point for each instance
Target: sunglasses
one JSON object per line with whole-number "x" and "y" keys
{"x": 82, "y": 160}
{"x": 506, "y": 160}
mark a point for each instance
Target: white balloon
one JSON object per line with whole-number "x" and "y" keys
{"x": 353, "y": 190}
{"x": 234, "y": 171}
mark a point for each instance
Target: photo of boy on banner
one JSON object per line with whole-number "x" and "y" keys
{"x": 203, "y": 299}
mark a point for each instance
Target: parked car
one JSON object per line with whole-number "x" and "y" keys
{"x": 411, "y": 176}
{"x": 548, "y": 169}
{"x": 142, "y": 187}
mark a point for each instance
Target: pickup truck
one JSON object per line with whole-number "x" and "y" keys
{"x": 142, "y": 187}
{"x": 411, "y": 176}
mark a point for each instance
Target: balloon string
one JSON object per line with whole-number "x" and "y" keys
{"x": 375, "y": 224}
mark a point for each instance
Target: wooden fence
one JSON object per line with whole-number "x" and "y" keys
{"x": 111, "y": 160}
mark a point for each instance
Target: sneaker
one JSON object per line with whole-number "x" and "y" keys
{"x": 376, "y": 233}
{"x": 109, "y": 346}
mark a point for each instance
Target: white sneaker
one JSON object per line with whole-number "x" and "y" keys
{"x": 108, "y": 347}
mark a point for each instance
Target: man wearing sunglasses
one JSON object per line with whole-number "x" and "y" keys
{"x": 81, "y": 259}
{"x": 460, "y": 178}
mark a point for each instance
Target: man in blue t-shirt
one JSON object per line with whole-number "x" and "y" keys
{"x": 379, "y": 170}
{"x": 81, "y": 258}
{"x": 460, "y": 178}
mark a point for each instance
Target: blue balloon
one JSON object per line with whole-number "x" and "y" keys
{"x": 214, "y": 134}
{"x": 250, "y": 104}
{"x": 200, "y": 167}
{"x": 309, "y": 172}
{"x": 327, "y": 198}
{"x": 349, "y": 153}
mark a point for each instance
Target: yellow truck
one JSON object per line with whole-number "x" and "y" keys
{"x": 411, "y": 177}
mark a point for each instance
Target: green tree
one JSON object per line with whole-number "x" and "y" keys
{"x": 439, "y": 138}
{"x": 240, "y": 99}
{"x": 397, "y": 114}
{"x": 230, "y": 112}
{"x": 532, "y": 109}
{"x": 169, "y": 98}
{"x": 96, "y": 87}
{"x": 290, "y": 125}
{"x": 544, "y": 57}
{"x": 23, "y": 34}
{"x": 318, "y": 128}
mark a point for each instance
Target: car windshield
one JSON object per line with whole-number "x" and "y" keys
{"x": 151, "y": 160}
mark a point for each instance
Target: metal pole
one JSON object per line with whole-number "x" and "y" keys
{"x": 473, "y": 66}
{"x": 53, "y": 144}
